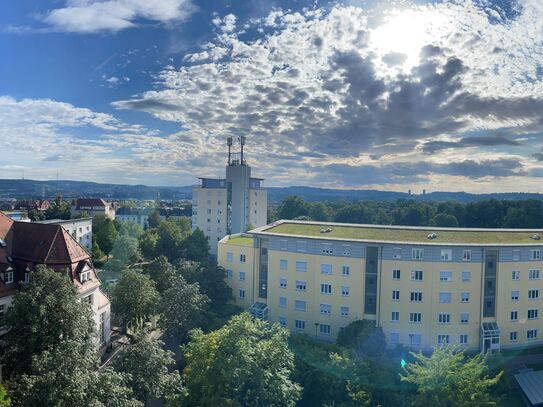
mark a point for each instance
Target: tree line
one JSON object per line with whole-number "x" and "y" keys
{"x": 483, "y": 214}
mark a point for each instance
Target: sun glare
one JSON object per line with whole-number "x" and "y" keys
{"x": 406, "y": 32}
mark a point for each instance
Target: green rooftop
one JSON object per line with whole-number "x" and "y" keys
{"x": 415, "y": 235}
{"x": 241, "y": 240}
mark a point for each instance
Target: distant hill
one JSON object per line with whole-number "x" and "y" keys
{"x": 19, "y": 189}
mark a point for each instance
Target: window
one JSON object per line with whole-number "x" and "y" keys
{"x": 531, "y": 334}
{"x": 282, "y": 321}
{"x": 346, "y": 250}
{"x": 229, "y": 256}
{"x": 283, "y": 283}
{"x": 326, "y": 268}
{"x": 327, "y": 250}
{"x": 515, "y": 295}
{"x": 283, "y": 244}
{"x": 326, "y": 309}
{"x": 446, "y": 255}
{"x": 301, "y": 246}
{"x": 444, "y": 318}
{"x": 513, "y": 335}
{"x": 324, "y": 329}
{"x": 442, "y": 339}
{"x": 397, "y": 253}
{"x": 299, "y": 324}
{"x": 229, "y": 273}
{"x": 282, "y": 302}
{"x": 345, "y": 270}
{"x": 345, "y": 290}
{"x": 8, "y": 277}
{"x": 445, "y": 276}
{"x": 534, "y": 274}
{"x": 533, "y": 294}
{"x": 395, "y": 295}
{"x": 394, "y": 338}
{"x": 415, "y": 317}
{"x": 242, "y": 294}
{"x": 417, "y": 254}
{"x": 533, "y": 313}
{"x": 416, "y": 275}
{"x": 301, "y": 285}
{"x": 416, "y": 296}
{"x": 415, "y": 339}
{"x": 516, "y": 255}
{"x": 299, "y": 305}
{"x": 395, "y": 316}
{"x": 514, "y": 315}
{"x": 344, "y": 311}
{"x": 444, "y": 298}
{"x": 326, "y": 288}
{"x": 466, "y": 255}
{"x": 464, "y": 297}
{"x": 242, "y": 276}
{"x": 87, "y": 300}
{"x": 396, "y": 274}
{"x": 242, "y": 258}
{"x": 466, "y": 276}
{"x": 515, "y": 275}
{"x": 463, "y": 339}
{"x": 536, "y": 254}
{"x": 283, "y": 264}
{"x": 464, "y": 318}
{"x": 301, "y": 266}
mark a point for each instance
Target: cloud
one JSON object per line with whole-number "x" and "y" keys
{"x": 93, "y": 16}
{"x": 431, "y": 147}
{"x": 112, "y": 81}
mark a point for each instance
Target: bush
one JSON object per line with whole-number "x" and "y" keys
{"x": 363, "y": 337}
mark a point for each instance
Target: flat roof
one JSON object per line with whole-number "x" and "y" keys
{"x": 531, "y": 384}
{"x": 241, "y": 240}
{"x": 401, "y": 234}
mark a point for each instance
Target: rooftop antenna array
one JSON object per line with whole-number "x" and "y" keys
{"x": 236, "y": 158}
{"x": 229, "y": 143}
{"x": 242, "y": 143}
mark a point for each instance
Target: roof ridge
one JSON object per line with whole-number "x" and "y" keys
{"x": 52, "y": 243}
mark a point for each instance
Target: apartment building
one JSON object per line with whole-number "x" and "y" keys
{"x": 80, "y": 229}
{"x": 140, "y": 215}
{"x": 477, "y": 288}
{"x": 24, "y": 245}
{"x": 92, "y": 207}
{"x": 222, "y": 206}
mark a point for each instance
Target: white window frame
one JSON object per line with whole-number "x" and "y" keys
{"x": 445, "y": 276}
{"x": 445, "y": 293}
{"x": 444, "y": 318}
{"x": 464, "y": 274}
{"x": 345, "y": 270}
{"x": 394, "y": 292}
{"x": 417, "y": 254}
{"x": 345, "y": 290}
{"x": 325, "y": 309}
{"x": 514, "y": 316}
{"x": 283, "y": 282}
{"x": 301, "y": 266}
{"x": 344, "y": 311}
{"x": 515, "y": 275}
{"x": 464, "y": 318}
{"x": 534, "y": 274}
{"x": 515, "y": 295}
{"x": 283, "y": 264}
{"x": 325, "y": 287}
{"x": 396, "y": 274}
{"x": 300, "y": 284}
{"x": 417, "y": 273}
{"x": 395, "y": 316}
{"x": 282, "y": 303}
{"x": 446, "y": 255}
{"x": 465, "y": 297}
{"x": 326, "y": 269}
{"x": 533, "y": 294}
{"x": 300, "y": 302}
{"x": 466, "y": 255}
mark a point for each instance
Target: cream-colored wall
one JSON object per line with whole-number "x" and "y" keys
{"x": 258, "y": 201}
{"x": 250, "y": 282}
{"x": 312, "y": 295}
{"x": 504, "y": 304}
{"x": 430, "y": 307}
{"x": 216, "y": 228}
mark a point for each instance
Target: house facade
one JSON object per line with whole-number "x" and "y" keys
{"x": 91, "y": 207}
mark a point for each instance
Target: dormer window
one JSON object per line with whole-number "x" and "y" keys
{"x": 84, "y": 276}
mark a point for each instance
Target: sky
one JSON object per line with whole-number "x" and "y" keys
{"x": 390, "y": 95}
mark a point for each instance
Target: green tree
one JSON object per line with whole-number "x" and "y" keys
{"x": 162, "y": 273}
{"x": 154, "y": 219}
{"x": 363, "y": 337}
{"x": 449, "y": 378}
{"x": 320, "y": 212}
{"x": 4, "y": 398}
{"x": 292, "y": 207}
{"x": 126, "y": 249}
{"x": 35, "y": 215}
{"x": 48, "y": 305}
{"x": 444, "y": 220}
{"x": 181, "y": 308}
{"x": 353, "y": 213}
{"x": 171, "y": 236}
{"x": 97, "y": 253}
{"x": 58, "y": 209}
{"x": 134, "y": 297}
{"x": 105, "y": 232}
{"x": 245, "y": 363}
{"x": 147, "y": 365}
{"x": 148, "y": 243}
{"x": 210, "y": 278}
{"x": 131, "y": 229}
{"x": 196, "y": 246}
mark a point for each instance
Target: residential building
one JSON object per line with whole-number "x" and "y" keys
{"x": 36, "y": 205}
{"x": 24, "y": 245}
{"x": 140, "y": 215}
{"x": 80, "y": 229}
{"x": 91, "y": 207}
{"x": 478, "y": 288}
{"x": 222, "y": 206}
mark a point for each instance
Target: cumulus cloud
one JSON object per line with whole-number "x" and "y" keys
{"x": 93, "y": 16}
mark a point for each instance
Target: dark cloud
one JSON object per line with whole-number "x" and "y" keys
{"x": 480, "y": 141}
{"x": 394, "y": 58}
{"x": 538, "y": 156}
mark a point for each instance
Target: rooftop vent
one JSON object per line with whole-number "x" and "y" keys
{"x": 536, "y": 237}
{"x": 432, "y": 236}
{"x": 326, "y": 230}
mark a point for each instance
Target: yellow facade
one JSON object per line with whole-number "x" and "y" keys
{"x": 318, "y": 285}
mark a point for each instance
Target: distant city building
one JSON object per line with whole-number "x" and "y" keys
{"x": 21, "y": 216}
{"x": 24, "y": 245}
{"x": 480, "y": 289}
{"x": 80, "y": 229}
{"x": 222, "y": 206}
{"x": 33, "y": 205}
{"x": 92, "y": 207}
{"x": 140, "y": 215}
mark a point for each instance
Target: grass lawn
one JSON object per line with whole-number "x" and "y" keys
{"x": 241, "y": 240}
{"x": 405, "y": 235}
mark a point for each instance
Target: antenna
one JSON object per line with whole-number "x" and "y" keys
{"x": 242, "y": 142}
{"x": 229, "y": 143}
